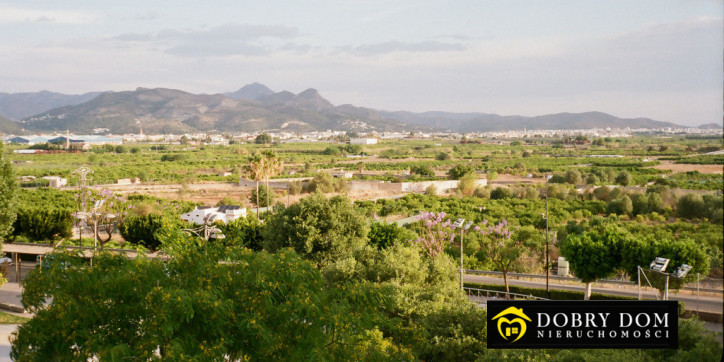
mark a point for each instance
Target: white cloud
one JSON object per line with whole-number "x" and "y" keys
{"x": 9, "y": 15}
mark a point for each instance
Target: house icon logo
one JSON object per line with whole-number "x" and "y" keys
{"x": 515, "y": 327}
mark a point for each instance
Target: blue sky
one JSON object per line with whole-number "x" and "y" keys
{"x": 660, "y": 59}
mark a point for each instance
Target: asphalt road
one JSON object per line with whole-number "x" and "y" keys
{"x": 705, "y": 304}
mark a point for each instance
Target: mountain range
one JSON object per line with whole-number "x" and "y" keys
{"x": 255, "y": 107}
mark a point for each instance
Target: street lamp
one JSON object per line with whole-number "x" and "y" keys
{"x": 659, "y": 265}
{"x": 459, "y": 224}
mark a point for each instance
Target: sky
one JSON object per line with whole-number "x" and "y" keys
{"x": 660, "y": 59}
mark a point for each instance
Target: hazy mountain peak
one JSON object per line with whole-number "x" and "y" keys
{"x": 311, "y": 99}
{"x": 251, "y": 91}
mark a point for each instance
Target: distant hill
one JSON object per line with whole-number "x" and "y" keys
{"x": 9, "y": 126}
{"x": 482, "y": 122}
{"x": 711, "y": 126}
{"x": 21, "y": 105}
{"x": 255, "y": 107}
{"x": 250, "y": 92}
{"x": 174, "y": 111}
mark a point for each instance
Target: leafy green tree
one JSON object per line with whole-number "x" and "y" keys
{"x": 443, "y": 156}
{"x": 244, "y": 231}
{"x": 141, "y": 230}
{"x": 624, "y": 178}
{"x": 458, "y": 171}
{"x": 332, "y": 151}
{"x": 8, "y": 197}
{"x": 620, "y": 206}
{"x": 255, "y": 306}
{"x": 383, "y": 235}
{"x": 573, "y": 177}
{"x": 500, "y": 193}
{"x": 43, "y": 223}
{"x": 263, "y": 138}
{"x": 593, "y": 255}
{"x": 318, "y": 228}
{"x": 691, "y": 206}
{"x": 641, "y": 251}
{"x": 467, "y": 184}
{"x": 503, "y": 246}
{"x": 422, "y": 170}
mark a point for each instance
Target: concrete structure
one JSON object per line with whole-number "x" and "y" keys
{"x": 342, "y": 174}
{"x": 363, "y": 141}
{"x": 128, "y": 181}
{"x": 56, "y": 181}
{"x": 209, "y": 214}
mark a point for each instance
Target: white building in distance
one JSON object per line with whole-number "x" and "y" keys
{"x": 363, "y": 141}
{"x": 211, "y": 214}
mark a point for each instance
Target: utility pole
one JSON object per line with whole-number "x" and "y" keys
{"x": 548, "y": 292}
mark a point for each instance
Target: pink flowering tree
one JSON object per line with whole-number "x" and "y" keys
{"x": 436, "y": 233}
{"x": 106, "y": 210}
{"x": 502, "y": 246}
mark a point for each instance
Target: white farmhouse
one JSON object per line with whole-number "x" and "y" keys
{"x": 211, "y": 214}
{"x": 363, "y": 141}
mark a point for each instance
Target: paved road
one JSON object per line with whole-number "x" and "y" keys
{"x": 706, "y": 304}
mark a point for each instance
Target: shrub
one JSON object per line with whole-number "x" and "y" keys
{"x": 422, "y": 170}
{"x": 459, "y": 171}
{"x": 174, "y": 157}
{"x": 43, "y": 223}
{"x": 501, "y": 193}
{"x": 691, "y": 206}
{"x": 624, "y": 178}
{"x": 141, "y": 230}
{"x": 443, "y": 156}
{"x": 431, "y": 190}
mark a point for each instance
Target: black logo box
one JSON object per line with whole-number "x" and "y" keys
{"x": 551, "y": 321}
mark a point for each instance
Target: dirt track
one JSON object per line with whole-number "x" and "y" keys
{"x": 209, "y": 193}
{"x": 685, "y": 167}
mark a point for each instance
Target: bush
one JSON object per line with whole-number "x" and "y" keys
{"x": 467, "y": 184}
{"x": 244, "y": 231}
{"x": 332, "y": 151}
{"x": 141, "y": 230}
{"x": 482, "y": 192}
{"x": 422, "y": 170}
{"x": 384, "y": 235}
{"x": 691, "y": 206}
{"x": 431, "y": 190}
{"x": 459, "y": 171}
{"x": 263, "y": 138}
{"x": 174, "y": 157}
{"x": 443, "y": 156}
{"x": 295, "y": 187}
{"x": 501, "y": 193}
{"x": 42, "y": 223}
{"x": 325, "y": 183}
{"x": 573, "y": 177}
{"x": 624, "y": 178}
{"x": 620, "y": 206}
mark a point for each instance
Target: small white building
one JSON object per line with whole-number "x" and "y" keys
{"x": 342, "y": 174}
{"x": 211, "y": 214}
{"x": 363, "y": 141}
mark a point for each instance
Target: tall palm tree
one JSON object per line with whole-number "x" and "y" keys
{"x": 256, "y": 171}
{"x": 272, "y": 167}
